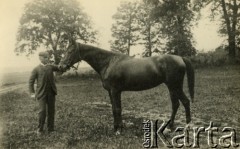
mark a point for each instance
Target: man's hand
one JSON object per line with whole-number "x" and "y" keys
{"x": 32, "y": 96}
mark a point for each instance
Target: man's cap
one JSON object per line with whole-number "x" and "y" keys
{"x": 44, "y": 54}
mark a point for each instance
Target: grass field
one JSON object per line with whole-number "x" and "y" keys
{"x": 84, "y": 117}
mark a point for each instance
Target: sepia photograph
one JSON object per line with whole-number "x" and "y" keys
{"x": 119, "y": 74}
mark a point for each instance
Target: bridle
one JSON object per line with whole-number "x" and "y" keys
{"x": 79, "y": 56}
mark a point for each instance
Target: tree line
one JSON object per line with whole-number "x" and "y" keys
{"x": 160, "y": 26}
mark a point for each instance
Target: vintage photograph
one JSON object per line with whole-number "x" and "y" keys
{"x": 119, "y": 74}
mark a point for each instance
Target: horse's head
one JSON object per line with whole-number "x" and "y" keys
{"x": 70, "y": 57}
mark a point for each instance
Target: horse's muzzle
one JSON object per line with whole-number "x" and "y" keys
{"x": 63, "y": 67}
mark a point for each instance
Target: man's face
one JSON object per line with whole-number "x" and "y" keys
{"x": 44, "y": 59}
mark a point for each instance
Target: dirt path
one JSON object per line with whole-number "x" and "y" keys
{"x": 11, "y": 88}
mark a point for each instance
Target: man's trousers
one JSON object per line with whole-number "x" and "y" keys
{"x": 47, "y": 109}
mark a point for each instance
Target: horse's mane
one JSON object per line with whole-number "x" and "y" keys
{"x": 100, "y": 50}
{"x": 100, "y": 58}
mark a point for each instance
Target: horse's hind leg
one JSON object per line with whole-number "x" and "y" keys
{"x": 110, "y": 96}
{"x": 175, "y": 106}
{"x": 186, "y": 103}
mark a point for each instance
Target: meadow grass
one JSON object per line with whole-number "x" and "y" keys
{"x": 84, "y": 116}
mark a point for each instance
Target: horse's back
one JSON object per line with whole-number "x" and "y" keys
{"x": 148, "y": 65}
{"x": 172, "y": 60}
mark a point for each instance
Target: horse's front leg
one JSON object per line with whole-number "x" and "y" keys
{"x": 115, "y": 97}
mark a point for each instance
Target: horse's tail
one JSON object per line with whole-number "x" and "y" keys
{"x": 190, "y": 76}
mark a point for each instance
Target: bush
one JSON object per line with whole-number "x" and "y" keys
{"x": 212, "y": 58}
{"x": 86, "y": 73}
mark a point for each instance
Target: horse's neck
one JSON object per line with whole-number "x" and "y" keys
{"x": 98, "y": 59}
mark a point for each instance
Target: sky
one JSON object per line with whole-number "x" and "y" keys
{"x": 100, "y": 11}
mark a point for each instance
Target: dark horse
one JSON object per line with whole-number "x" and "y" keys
{"x": 120, "y": 72}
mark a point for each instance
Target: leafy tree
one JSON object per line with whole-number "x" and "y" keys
{"x": 52, "y": 23}
{"x": 149, "y": 28}
{"x": 228, "y": 10}
{"x": 124, "y": 30}
{"x": 176, "y": 18}
{"x": 229, "y": 24}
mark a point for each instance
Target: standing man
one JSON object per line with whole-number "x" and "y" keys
{"x": 45, "y": 91}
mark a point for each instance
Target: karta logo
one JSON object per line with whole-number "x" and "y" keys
{"x": 154, "y": 134}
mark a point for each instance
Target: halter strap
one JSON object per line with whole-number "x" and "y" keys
{"x": 78, "y": 47}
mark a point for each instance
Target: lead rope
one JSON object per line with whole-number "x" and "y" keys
{"x": 77, "y": 44}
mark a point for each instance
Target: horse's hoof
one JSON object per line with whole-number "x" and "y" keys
{"x": 170, "y": 127}
{"x": 167, "y": 130}
{"x": 190, "y": 124}
{"x": 118, "y": 132}
{"x": 188, "y": 120}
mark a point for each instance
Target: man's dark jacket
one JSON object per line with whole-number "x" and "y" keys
{"x": 45, "y": 80}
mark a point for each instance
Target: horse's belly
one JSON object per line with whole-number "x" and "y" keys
{"x": 140, "y": 86}
{"x": 141, "y": 82}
